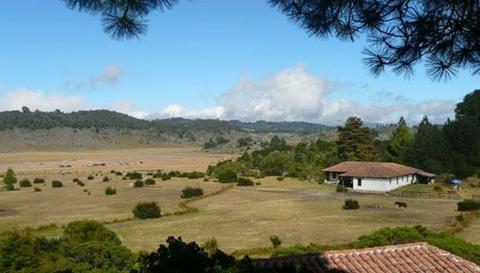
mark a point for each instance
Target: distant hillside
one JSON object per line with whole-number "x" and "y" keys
{"x": 103, "y": 129}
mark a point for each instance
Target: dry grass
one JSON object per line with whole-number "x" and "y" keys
{"x": 180, "y": 158}
{"x": 298, "y": 212}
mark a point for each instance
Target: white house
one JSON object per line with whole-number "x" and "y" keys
{"x": 375, "y": 176}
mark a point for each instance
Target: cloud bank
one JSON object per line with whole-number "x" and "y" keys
{"x": 296, "y": 95}
{"x": 110, "y": 76}
{"x": 293, "y": 94}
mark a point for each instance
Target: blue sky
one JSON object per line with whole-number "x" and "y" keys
{"x": 207, "y": 59}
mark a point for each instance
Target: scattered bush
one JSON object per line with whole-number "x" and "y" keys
{"x": 80, "y": 183}
{"x": 275, "y": 240}
{"x": 138, "y": 184}
{"x": 210, "y": 246}
{"x": 340, "y": 188}
{"x": 351, "y": 204}
{"x": 37, "y": 189}
{"x": 243, "y": 181}
{"x": 57, "y": 184}
{"x": 110, "y": 191}
{"x": 165, "y": 177}
{"x": 38, "y": 180}
{"x": 280, "y": 178}
{"x": 9, "y": 178}
{"x": 113, "y": 172}
{"x": 78, "y": 232}
{"x": 258, "y": 183}
{"x": 134, "y": 175}
{"x": 75, "y": 180}
{"x": 147, "y": 210}
{"x": 90, "y": 177}
{"x": 118, "y": 173}
{"x": 437, "y": 188}
{"x": 468, "y": 205}
{"x": 25, "y": 183}
{"x": 195, "y": 175}
{"x": 105, "y": 179}
{"x": 227, "y": 176}
{"x": 189, "y": 192}
{"x": 150, "y": 181}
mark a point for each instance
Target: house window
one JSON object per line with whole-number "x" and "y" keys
{"x": 397, "y": 180}
{"x": 334, "y": 175}
{"x": 359, "y": 182}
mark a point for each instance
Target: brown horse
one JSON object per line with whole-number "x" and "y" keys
{"x": 400, "y": 205}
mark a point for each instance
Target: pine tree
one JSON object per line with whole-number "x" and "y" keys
{"x": 9, "y": 179}
{"x": 400, "y": 142}
{"x": 355, "y": 142}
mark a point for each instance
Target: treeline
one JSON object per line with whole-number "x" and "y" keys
{"x": 452, "y": 148}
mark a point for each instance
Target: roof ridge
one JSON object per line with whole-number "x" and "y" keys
{"x": 376, "y": 248}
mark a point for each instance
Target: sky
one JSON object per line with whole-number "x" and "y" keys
{"x": 205, "y": 59}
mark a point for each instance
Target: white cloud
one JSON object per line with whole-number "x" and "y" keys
{"x": 127, "y": 107}
{"x": 294, "y": 94}
{"x": 38, "y": 100}
{"x": 110, "y": 76}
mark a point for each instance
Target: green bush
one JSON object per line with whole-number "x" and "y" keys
{"x": 275, "y": 240}
{"x": 78, "y": 232}
{"x": 113, "y": 171}
{"x": 110, "y": 191}
{"x": 37, "y": 189}
{"x": 57, "y": 184}
{"x": 105, "y": 179}
{"x": 38, "y": 180}
{"x": 195, "y": 175}
{"x": 138, "y": 184}
{"x": 90, "y": 177}
{"x": 243, "y": 181}
{"x": 210, "y": 246}
{"x": 437, "y": 188}
{"x": 468, "y": 204}
{"x": 147, "y": 210}
{"x": 25, "y": 183}
{"x": 227, "y": 176}
{"x": 280, "y": 178}
{"x": 134, "y": 175}
{"x": 9, "y": 179}
{"x": 99, "y": 257}
{"x": 189, "y": 192}
{"x": 165, "y": 177}
{"x": 80, "y": 183}
{"x": 351, "y": 204}
{"x": 340, "y": 188}
{"x": 75, "y": 180}
{"x": 150, "y": 181}
{"x": 118, "y": 173}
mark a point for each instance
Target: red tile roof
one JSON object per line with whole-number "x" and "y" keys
{"x": 372, "y": 169}
{"x": 406, "y": 258}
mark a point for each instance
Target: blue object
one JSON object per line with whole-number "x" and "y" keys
{"x": 456, "y": 182}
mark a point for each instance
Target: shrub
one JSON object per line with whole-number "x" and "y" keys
{"x": 227, "y": 176}
{"x": 57, "y": 184}
{"x": 242, "y": 181}
{"x": 138, "y": 184}
{"x": 113, "y": 172}
{"x": 37, "y": 189}
{"x": 118, "y": 173}
{"x": 437, "y": 188}
{"x": 75, "y": 180}
{"x": 110, "y": 191}
{"x": 210, "y": 246}
{"x": 90, "y": 177}
{"x": 147, "y": 210}
{"x": 9, "y": 178}
{"x": 105, "y": 179}
{"x": 275, "y": 240}
{"x": 351, "y": 204}
{"x": 80, "y": 183}
{"x": 280, "y": 178}
{"x": 134, "y": 175}
{"x": 195, "y": 175}
{"x": 468, "y": 204}
{"x": 101, "y": 257}
{"x": 78, "y": 232}
{"x": 150, "y": 181}
{"x": 38, "y": 180}
{"x": 165, "y": 177}
{"x": 25, "y": 183}
{"x": 189, "y": 192}
{"x": 340, "y": 188}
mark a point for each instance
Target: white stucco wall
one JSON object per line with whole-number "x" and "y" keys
{"x": 383, "y": 184}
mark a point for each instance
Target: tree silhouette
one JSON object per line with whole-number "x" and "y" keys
{"x": 400, "y": 32}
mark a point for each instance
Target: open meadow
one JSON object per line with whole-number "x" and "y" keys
{"x": 239, "y": 218}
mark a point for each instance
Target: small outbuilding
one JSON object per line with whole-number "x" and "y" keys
{"x": 375, "y": 176}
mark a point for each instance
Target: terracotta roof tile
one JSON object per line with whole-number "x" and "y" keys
{"x": 406, "y": 258}
{"x": 372, "y": 169}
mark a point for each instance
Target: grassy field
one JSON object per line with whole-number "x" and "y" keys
{"x": 298, "y": 212}
{"x": 240, "y": 218}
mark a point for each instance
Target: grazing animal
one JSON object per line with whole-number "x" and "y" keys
{"x": 400, "y": 205}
